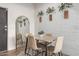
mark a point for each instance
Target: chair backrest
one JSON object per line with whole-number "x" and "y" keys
{"x": 31, "y": 42}
{"x": 48, "y": 37}
{"x": 59, "y": 43}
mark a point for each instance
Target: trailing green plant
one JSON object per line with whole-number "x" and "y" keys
{"x": 64, "y": 6}
{"x": 50, "y": 10}
{"x": 40, "y": 13}
{"x": 24, "y": 21}
{"x": 20, "y": 22}
{"x": 41, "y": 32}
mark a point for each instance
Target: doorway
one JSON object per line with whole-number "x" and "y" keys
{"x": 22, "y": 28}
{"x": 3, "y": 29}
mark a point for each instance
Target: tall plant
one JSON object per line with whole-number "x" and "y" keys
{"x": 50, "y": 11}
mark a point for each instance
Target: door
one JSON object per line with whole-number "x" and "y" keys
{"x": 3, "y": 29}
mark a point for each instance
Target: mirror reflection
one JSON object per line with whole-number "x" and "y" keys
{"x": 22, "y": 28}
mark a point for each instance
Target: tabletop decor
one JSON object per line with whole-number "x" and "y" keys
{"x": 41, "y": 32}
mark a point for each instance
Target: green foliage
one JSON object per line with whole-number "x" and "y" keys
{"x": 22, "y": 19}
{"x": 41, "y": 32}
{"x": 64, "y": 6}
{"x": 40, "y": 13}
{"x": 50, "y": 10}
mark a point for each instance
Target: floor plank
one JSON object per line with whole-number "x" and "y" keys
{"x": 11, "y": 52}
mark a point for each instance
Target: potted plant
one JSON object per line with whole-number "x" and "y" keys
{"x": 41, "y": 33}
{"x": 40, "y": 14}
{"x": 50, "y": 11}
{"x": 64, "y": 7}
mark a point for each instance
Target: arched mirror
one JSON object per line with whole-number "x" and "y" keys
{"x": 22, "y": 28}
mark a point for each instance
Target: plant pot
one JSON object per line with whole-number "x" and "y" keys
{"x": 41, "y": 35}
{"x": 66, "y": 14}
{"x": 40, "y": 19}
{"x": 50, "y": 17}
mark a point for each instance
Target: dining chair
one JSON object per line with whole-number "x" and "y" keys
{"x": 32, "y": 45}
{"x": 58, "y": 47}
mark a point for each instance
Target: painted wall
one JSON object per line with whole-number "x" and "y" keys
{"x": 69, "y": 28}
{"x": 15, "y": 10}
{"x": 59, "y": 26}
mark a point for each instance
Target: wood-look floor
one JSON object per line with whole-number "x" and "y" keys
{"x": 11, "y": 52}
{"x": 15, "y": 52}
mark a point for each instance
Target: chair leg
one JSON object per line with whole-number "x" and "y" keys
{"x": 37, "y": 52}
{"x": 55, "y": 54}
{"x": 32, "y": 52}
{"x": 26, "y": 45}
{"x": 25, "y": 51}
{"x": 49, "y": 53}
{"x": 43, "y": 53}
{"x": 60, "y": 53}
{"x": 28, "y": 50}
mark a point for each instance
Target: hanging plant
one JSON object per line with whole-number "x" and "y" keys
{"x": 50, "y": 11}
{"x": 64, "y": 7}
{"x": 40, "y": 14}
{"x": 24, "y": 20}
{"x": 20, "y": 23}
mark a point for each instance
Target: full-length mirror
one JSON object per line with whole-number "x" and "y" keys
{"x": 22, "y": 28}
